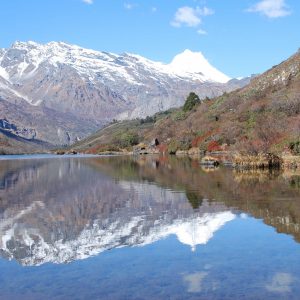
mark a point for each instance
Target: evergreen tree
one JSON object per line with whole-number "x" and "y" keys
{"x": 192, "y": 100}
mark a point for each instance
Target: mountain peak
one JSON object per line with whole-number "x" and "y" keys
{"x": 50, "y": 45}
{"x": 20, "y": 44}
{"x": 194, "y": 62}
{"x": 188, "y": 52}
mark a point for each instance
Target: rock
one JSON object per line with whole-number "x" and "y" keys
{"x": 182, "y": 152}
{"x": 191, "y": 152}
{"x": 139, "y": 148}
{"x": 154, "y": 143}
{"x": 143, "y": 148}
{"x": 60, "y": 152}
{"x": 194, "y": 151}
{"x": 209, "y": 161}
{"x": 290, "y": 161}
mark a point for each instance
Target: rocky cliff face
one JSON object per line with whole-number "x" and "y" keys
{"x": 28, "y": 133}
{"x": 89, "y": 88}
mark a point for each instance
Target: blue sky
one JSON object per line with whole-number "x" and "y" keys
{"x": 239, "y": 37}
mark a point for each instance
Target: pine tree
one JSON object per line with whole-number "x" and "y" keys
{"x": 192, "y": 100}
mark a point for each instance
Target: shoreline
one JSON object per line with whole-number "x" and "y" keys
{"x": 233, "y": 160}
{"x": 7, "y": 157}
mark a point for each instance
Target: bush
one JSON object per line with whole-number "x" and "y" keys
{"x": 127, "y": 139}
{"x": 148, "y": 119}
{"x": 295, "y": 147}
{"x": 110, "y": 148}
{"x": 179, "y": 116}
{"x": 173, "y": 146}
{"x": 185, "y": 143}
{"x": 191, "y": 101}
{"x": 290, "y": 106}
{"x": 213, "y": 146}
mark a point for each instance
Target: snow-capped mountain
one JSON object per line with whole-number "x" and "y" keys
{"x": 100, "y": 86}
{"x": 194, "y": 65}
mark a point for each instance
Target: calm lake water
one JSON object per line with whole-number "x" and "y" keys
{"x": 146, "y": 228}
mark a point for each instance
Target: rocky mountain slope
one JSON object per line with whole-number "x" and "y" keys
{"x": 11, "y": 143}
{"x": 263, "y": 116}
{"x": 63, "y": 92}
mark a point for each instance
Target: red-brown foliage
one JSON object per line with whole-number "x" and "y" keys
{"x": 213, "y": 146}
{"x": 162, "y": 148}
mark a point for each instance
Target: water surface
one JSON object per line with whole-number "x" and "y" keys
{"x": 146, "y": 228}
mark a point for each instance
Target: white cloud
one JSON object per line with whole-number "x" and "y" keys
{"x": 186, "y": 16}
{"x": 205, "y": 11}
{"x": 271, "y": 8}
{"x": 129, "y": 6}
{"x": 281, "y": 283}
{"x": 201, "y": 32}
{"x": 243, "y": 215}
{"x": 194, "y": 281}
{"x": 88, "y": 1}
{"x": 189, "y": 16}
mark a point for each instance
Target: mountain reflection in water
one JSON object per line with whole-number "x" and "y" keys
{"x": 64, "y": 210}
{"x": 68, "y": 209}
{"x": 146, "y": 228}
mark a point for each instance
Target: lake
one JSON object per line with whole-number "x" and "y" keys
{"x": 146, "y": 228}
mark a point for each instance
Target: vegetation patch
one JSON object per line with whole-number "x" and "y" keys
{"x": 295, "y": 147}
{"x": 179, "y": 116}
{"x": 127, "y": 139}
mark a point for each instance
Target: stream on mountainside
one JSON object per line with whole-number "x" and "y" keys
{"x": 146, "y": 228}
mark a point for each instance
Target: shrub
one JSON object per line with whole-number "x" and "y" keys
{"x": 127, "y": 139}
{"x": 185, "y": 143}
{"x": 290, "y": 106}
{"x": 213, "y": 146}
{"x": 148, "y": 119}
{"x": 295, "y": 147}
{"x": 179, "y": 116}
{"x": 173, "y": 146}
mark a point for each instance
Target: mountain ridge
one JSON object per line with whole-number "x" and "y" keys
{"x": 96, "y": 87}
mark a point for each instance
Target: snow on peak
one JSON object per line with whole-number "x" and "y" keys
{"x": 189, "y": 62}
